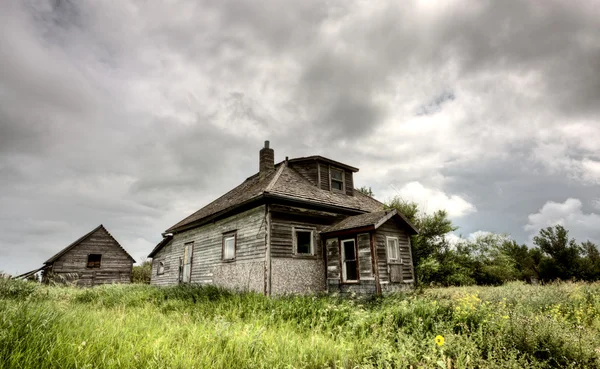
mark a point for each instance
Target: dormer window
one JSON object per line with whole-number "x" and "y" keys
{"x": 337, "y": 179}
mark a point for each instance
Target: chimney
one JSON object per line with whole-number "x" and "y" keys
{"x": 266, "y": 161}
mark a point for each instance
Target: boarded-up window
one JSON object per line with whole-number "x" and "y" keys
{"x": 337, "y": 179}
{"x": 229, "y": 246}
{"x": 303, "y": 241}
{"x": 94, "y": 260}
{"x": 349, "y": 262}
{"x": 188, "y": 250}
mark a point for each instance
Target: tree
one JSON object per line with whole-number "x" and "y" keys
{"x": 590, "y": 261}
{"x": 366, "y": 191}
{"x": 141, "y": 273}
{"x": 564, "y": 254}
{"x": 430, "y": 245}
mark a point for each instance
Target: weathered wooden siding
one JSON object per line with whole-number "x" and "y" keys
{"x": 364, "y": 256}
{"x": 349, "y": 183}
{"x": 247, "y": 271}
{"x": 391, "y": 229}
{"x": 115, "y": 265}
{"x": 171, "y": 266}
{"x": 308, "y": 170}
{"x": 324, "y": 175}
{"x": 284, "y": 218}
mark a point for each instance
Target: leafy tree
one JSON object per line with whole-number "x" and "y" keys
{"x": 564, "y": 254}
{"x": 141, "y": 273}
{"x": 366, "y": 191}
{"x": 430, "y": 245}
{"x": 590, "y": 261}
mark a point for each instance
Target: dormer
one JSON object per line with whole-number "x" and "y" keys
{"x": 327, "y": 174}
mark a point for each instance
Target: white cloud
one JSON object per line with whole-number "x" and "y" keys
{"x": 431, "y": 199}
{"x": 569, "y": 214}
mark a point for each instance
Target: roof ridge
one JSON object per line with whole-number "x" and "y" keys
{"x": 71, "y": 245}
{"x": 275, "y": 178}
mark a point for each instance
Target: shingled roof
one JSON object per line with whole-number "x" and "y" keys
{"x": 83, "y": 238}
{"x": 369, "y": 221}
{"x": 285, "y": 183}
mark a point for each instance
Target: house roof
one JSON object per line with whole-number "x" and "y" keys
{"x": 369, "y": 220}
{"x": 83, "y": 238}
{"x": 284, "y": 183}
{"x": 325, "y": 160}
{"x": 164, "y": 242}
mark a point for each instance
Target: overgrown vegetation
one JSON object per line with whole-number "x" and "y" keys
{"x": 141, "y": 273}
{"x": 493, "y": 259}
{"x": 133, "y": 326}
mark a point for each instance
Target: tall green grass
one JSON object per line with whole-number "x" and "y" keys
{"x": 140, "y": 326}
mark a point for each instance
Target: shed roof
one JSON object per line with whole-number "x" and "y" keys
{"x": 369, "y": 220}
{"x": 283, "y": 182}
{"x": 80, "y": 240}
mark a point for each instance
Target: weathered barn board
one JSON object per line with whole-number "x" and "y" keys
{"x": 208, "y": 266}
{"x": 391, "y": 229}
{"x": 115, "y": 264}
{"x": 308, "y": 170}
{"x": 348, "y": 183}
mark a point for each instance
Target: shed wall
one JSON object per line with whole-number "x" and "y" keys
{"x": 115, "y": 266}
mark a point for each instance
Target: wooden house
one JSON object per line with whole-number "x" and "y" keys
{"x": 297, "y": 226}
{"x": 96, "y": 258}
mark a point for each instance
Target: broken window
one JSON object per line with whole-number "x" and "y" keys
{"x": 337, "y": 179}
{"x": 349, "y": 262}
{"x": 303, "y": 241}
{"x": 229, "y": 246}
{"x": 393, "y": 250}
{"x": 94, "y": 260}
{"x": 161, "y": 268}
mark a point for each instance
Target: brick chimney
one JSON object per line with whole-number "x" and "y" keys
{"x": 266, "y": 161}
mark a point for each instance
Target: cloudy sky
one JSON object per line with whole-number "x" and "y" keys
{"x": 134, "y": 114}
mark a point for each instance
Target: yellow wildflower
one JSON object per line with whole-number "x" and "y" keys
{"x": 439, "y": 340}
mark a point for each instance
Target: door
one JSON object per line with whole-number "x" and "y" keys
{"x": 187, "y": 262}
{"x": 349, "y": 262}
{"x": 394, "y": 260}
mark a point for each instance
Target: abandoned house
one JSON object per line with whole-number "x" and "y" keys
{"x": 94, "y": 259}
{"x": 297, "y": 226}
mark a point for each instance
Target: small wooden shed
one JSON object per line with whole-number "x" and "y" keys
{"x": 97, "y": 258}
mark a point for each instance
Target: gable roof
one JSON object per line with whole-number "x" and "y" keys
{"x": 369, "y": 221}
{"x": 83, "y": 238}
{"x": 283, "y": 183}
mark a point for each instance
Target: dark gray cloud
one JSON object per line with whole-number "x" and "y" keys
{"x": 135, "y": 116}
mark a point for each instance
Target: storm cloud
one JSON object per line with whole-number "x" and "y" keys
{"x": 134, "y": 115}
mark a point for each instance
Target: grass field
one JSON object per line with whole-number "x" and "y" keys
{"x": 138, "y": 326}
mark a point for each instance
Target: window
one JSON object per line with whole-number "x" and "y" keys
{"x": 337, "y": 179}
{"x": 393, "y": 251}
{"x": 349, "y": 262}
{"x": 161, "y": 268}
{"x": 229, "y": 246}
{"x": 94, "y": 260}
{"x": 303, "y": 241}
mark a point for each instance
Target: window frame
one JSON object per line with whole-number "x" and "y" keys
{"x": 342, "y": 181}
{"x": 343, "y": 261}
{"x": 295, "y": 230}
{"x": 160, "y": 269}
{"x": 94, "y": 266}
{"x": 398, "y": 259}
{"x": 227, "y": 236}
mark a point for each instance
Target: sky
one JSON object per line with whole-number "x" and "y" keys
{"x": 134, "y": 114}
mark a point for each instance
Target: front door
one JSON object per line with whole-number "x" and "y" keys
{"x": 187, "y": 262}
